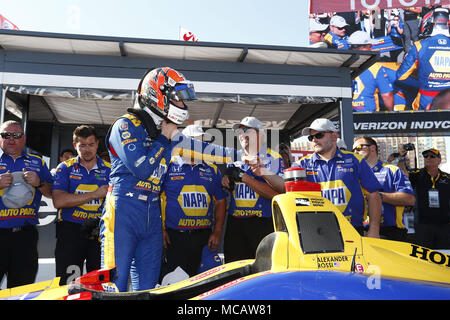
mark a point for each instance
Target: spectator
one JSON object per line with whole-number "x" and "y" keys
{"x": 367, "y": 22}
{"x": 431, "y": 55}
{"x": 63, "y": 156}
{"x": 24, "y": 178}
{"x": 252, "y": 182}
{"x": 342, "y": 176}
{"x": 396, "y": 193}
{"x": 432, "y": 186}
{"x": 193, "y": 209}
{"x": 336, "y": 37}
{"x": 375, "y": 78}
{"x": 316, "y": 34}
{"x": 140, "y": 149}
{"x": 79, "y": 190}
{"x": 395, "y": 29}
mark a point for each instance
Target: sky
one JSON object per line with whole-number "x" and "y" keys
{"x": 281, "y": 22}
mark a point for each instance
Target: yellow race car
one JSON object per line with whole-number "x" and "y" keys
{"x": 313, "y": 253}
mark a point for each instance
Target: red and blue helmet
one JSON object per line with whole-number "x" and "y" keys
{"x": 161, "y": 88}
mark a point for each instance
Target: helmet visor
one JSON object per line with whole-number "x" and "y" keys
{"x": 185, "y": 91}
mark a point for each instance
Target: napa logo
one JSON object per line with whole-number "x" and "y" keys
{"x": 245, "y": 196}
{"x": 440, "y": 61}
{"x": 194, "y": 200}
{"x": 92, "y": 205}
{"x": 336, "y": 192}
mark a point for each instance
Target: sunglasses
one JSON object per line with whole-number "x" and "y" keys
{"x": 240, "y": 131}
{"x": 432, "y": 156}
{"x": 318, "y": 135}
{"x": 15, "y": 135}
{"x": 359, "y": 148}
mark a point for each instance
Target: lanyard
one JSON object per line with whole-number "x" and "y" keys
{"x": 433, "y": 181}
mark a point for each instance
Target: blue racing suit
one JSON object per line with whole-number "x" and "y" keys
{"x": 131, "y": 221}
{"x": 131, "y": 229}
{"x": 431, "y": 58}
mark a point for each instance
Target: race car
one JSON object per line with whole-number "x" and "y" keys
{"x": 313, "y": 253}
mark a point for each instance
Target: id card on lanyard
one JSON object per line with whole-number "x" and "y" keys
{"x": 433, "y": 194}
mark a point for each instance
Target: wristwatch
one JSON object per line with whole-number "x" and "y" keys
{"x": 41, "y": 183}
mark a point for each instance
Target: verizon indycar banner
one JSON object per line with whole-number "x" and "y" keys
{"x": 402, "y": 122}
{"x": 320, "y": 6}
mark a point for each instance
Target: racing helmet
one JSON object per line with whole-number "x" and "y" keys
{"x": 435, "y": 22}
{"x": 158, "y": 90}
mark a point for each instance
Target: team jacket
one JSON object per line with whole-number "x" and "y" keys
{"x": 392, "y": 179}
{"x": 336, "y": 42}
{"x": 28, "y": 215}
{"x": 367, "y": 85}
{"x": 245, "y": 202}
{"x": 189, "y": 193}
{"x": 74, "y": 178}
{"x": 431, "y": 58}
{"x": 342, "y": 180}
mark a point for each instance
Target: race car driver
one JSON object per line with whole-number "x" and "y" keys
{"x": 140, "y": 148}
{"x": 430, "y": 58}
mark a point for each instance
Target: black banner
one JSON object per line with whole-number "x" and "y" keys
{"x": 402, "y": 122}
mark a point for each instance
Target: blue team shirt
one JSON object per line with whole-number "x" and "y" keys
{"x": 244, "y": 201}
{"x": 392, "y": 179}
{"x": 342, "y": 180}
{"x": 28, "y": 215}
{"x": 334, "y": 41}
{"x": 367, "y": 85}
{"x": 188, "y": 194}
{"x": 74, "y": 178}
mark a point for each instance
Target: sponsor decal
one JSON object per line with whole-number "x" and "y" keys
{"x": 429, "y": 255}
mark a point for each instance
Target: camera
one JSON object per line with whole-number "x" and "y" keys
{"x": 408, "y": 146}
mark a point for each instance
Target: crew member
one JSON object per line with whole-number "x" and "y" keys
{"x": 316, "y": 34}
{"x": 430, "y": 58}
{"x": 372, "y": 81}
{"x": 397, "y": 191}
{"x": 252, "y": 182}
{"x": 24, "y": 178}
{"x": 343, "y": 176}
{"x": 140, "y": 150}
{"x": 193, "y": 209}
{"x": 336, "y": 37}
{"x": 79, "y": 190}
